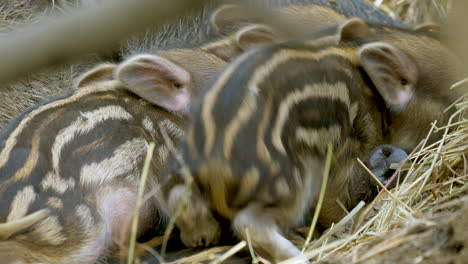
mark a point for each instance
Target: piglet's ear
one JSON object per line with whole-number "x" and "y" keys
{"x": 150, "y": 76}
{"x": 428, "y": 27}
{"x": 227, "y": 18}
{"x": 351, "y": 29}
{"x": 99, "y": 73}
{"x": 256, "y": 35}
{"x": 393, "y": 73}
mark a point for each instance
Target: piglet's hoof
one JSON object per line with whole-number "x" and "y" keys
{"x": 205, "y": 233}
{"x": 381, "y": 159}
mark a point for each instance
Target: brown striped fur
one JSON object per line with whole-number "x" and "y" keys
{"x": 70, "y": 168}
{"x": 228, "y": 141}
{"x": 70, "y": 151}
{"x": 438, "y": 67}
{"x": 259, "y": 136}
{"x": 243, "y": 33}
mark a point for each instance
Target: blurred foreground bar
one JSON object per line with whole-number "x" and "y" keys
{"x": 63, "y": 38}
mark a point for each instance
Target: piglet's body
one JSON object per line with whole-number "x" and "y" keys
{"x": 70, "y": 168}
{"x": 257, "y": 143}
{"x": 81, "y": 160}
{"x": 259, "y": 162}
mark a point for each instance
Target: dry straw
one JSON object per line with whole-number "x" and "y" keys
{"x": 415, "y": 11}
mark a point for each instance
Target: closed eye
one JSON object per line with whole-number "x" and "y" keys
{"x": 177, "y": 85}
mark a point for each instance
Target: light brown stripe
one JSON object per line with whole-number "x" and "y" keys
{"x": 31, "y": 161}
{"x": 50, "y": 230}
{"x": 248, "y": 185}
{"x": 353, "y": 111}
{"x": 262, "y": 72}
{"x": 9, "y": 228}
{"x": 55, "y": 202}
{"x": 84, "y": 214}
{"x": 283, "y": 56}
{"x": 282, "y": 188}
{"x": 262, "y": 150}
{"x": 337, "y": 91}
{"x": 218, "y": 44}
{"x": 20, "y": 204}
{"x": 244, "y": 113}
{"x": 210, "y": 100}
{"x": 56, "y": 183}
{"x": 91, "y": 146}
{"x": 172, "y": 129}
{"x": 248, "y": 105}
{"x": 319, "y": 137}
{"x": 127, "y": 157}
{"x": 83, "y": 124}
{"x": 148, "y": 125}
{"x": 327, "y": 40}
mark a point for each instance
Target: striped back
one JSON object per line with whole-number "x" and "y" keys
{"x": 268, "y": 114}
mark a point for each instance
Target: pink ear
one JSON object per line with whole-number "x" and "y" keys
{"x": 156, "y": 79}
{"x": 393, "y": 73}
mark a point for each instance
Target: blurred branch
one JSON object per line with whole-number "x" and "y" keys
{"x": 63, "y": 38}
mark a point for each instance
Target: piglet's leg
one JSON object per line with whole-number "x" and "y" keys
{"x": 264, "y": 233}
{"x": 197, "y": 225}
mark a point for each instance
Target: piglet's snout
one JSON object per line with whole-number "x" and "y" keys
{"x": 381, "y": 159}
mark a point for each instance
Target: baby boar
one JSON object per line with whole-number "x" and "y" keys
{"x": 70, "y": 168}
{"x": 257, "y": 143}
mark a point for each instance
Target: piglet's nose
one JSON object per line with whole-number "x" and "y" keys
{"x": 385, "y": 155}
{"x": 380, "y": 160}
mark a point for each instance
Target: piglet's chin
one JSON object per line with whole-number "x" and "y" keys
{"x": 179, "y": 103}
{"x": 401, "y": 99}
